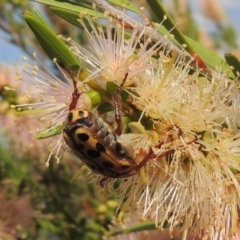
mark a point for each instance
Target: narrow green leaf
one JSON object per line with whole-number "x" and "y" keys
{"x": 105, "y": 107}
{"x": 233, "y": 62}
{"x": 210, "y": 58}
{"x": 38, "y": 15}
{"x": 125, "y": 4}
{"x": 67, "y": 8}
{"x": 47, "y": 225}
{"x": 72, "y": 16}
{"x": 169, "y": 24}
{"x": 111, "y": 87}
{"x": 30, "y": 110}
{"x": 51, "y": 44}
{"x": 68, "y": 5}
{"x": 136, "y": 228}
{"x": 68, "y": 15}
{"x": 50, "y": 132}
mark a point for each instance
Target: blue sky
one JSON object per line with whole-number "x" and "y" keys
{"x": 231, "y": 8}
{"x": 11, "y": 54}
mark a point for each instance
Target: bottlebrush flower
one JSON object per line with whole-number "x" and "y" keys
{"x": 16, "y": 133}
{"x": 109, "y": 54}
{"x": 193, "y": 174}
{"x": 46, "y": 98}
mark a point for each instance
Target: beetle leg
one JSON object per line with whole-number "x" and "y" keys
{"x": 118, "y": 119}
{"x": 75, "y": 94}
{"x": 102, "y": 181}
{"x": 145, "y": 159}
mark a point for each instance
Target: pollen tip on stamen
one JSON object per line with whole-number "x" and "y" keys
{"x": 13, "y": 106}
{"x": 25, "y": 58}
{"x": 8, "y": 88}
{"x": 135, "y": 24}
{"x": 106, "y": 13}
{"x": 36, "y": 68}
{"x": 55, "y": 60}
{"x": 34, "y": 73}
{"x": 57, "y": 159}
{"x": 47, "y": 164}
{"x": 166, "y": 36}
{"x": 120, "y": 217}
{"x": 83, "y": 13}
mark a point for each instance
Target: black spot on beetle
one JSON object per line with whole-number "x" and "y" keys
{"x": 93, "y": 167}
{"x": 100, "y": 147}
{"x": 81, "y": 113}
{"x": 75, "y": 147}
{"x": 70, "y": 117}
{"x": 83, "y": 137}
{"x": 80, "y": 146}
{"x": 125, "y": 167}
{"x": 108, "y": 164}
{"x": 94, "y": 153}
{"x": 118, "y": 148}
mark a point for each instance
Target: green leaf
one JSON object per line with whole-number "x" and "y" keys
{"x": 50, "y": 132}
{"x": 68, "y": 15}
{"x": 105, "y": 107}
{"x": 125, "y": 4}
{"x": 233, "y": 62}
{"x": 37, "y": 14}
{"x": 136, "y": 228}
{"x": 168, "y": 23}
{"x": 51, "y": 44}
{"x": 30, "y": 110}
{"x": 70, "y": 11}
{"x": 68, "y": 5}
{"x": 47, "y": 225}
{"x": 210, "y": 58}
{"x": 111, "y": 87}
{"x": 206, "y": 56}
{"x": 73, "y": 16}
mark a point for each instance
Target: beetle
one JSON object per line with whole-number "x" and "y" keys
{"x": 97, "y": 145}
{"x": 92, "y": 140}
